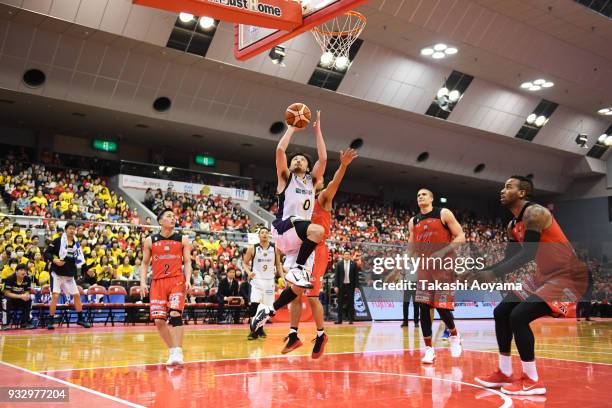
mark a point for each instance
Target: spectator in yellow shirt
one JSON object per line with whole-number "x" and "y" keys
{"x": 104, "y": 272}
{"x": 9, "y": 269}
{"x": 40, "y": 199}
{"x": 125, "y": 271}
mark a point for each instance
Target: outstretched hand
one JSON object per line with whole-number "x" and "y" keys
{"x": 347, "y": 156}
{"x": 316, "y": 125}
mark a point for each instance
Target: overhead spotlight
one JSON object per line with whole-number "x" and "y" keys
{"x": 540, "y": 121}
{"x": 342, "y": 62}
{"x": 443, "y": 200}
{"x": 608, "y": 141}
{"x": 427, "y": 51}
{"x": 169, "y": 169}
{"x": 440, "y": 47}
{"x": 581, "y": 140}
{"x": 327, "y": 59}
{"x": 602, "y": 139}
{"x": 531, "y": 118}
{"x": 277, "y": 55}
{"x": 537, "y": 84}
{"x": 442, "y": 92}
{"x": 445, "y": 98}
{"x": 162, "y": 168}
{"x": 186, "y": 17}
{"x": 605, "y": 111}
{"x": 207, "y": 23}
{"x": 439, "y": 51}
{"x": 454, "y": 95}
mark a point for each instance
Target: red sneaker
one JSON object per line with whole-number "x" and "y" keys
{"x": 319, "y": 347}
{"x": 293, "y": 342}
{"x": 495, "y": 380}
{"x": 525, "y": 386}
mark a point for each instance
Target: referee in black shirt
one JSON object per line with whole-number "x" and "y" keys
{"x": 17, "y": 297}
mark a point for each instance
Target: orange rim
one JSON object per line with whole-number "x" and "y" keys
{"x": 355, "y": 30}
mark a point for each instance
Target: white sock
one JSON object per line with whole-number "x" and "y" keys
{"x": 505, "y": 364}
{"x": 320, "y": 333}
{"x": 292, "y": 331}
{"x": 529, "y": 368}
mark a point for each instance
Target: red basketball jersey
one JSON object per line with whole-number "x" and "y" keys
{"x": 322, "y": 217}
{"x": 429, "y": 229}
{"x": 167, "y": 256}
{"x": 555, "y": 256}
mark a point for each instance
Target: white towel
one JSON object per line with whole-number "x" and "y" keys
{"x": 63, "y": 251}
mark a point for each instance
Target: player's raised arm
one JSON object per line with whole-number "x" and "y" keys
{"x": 318, "y": 169}
{"x": 186, "y": 260}
{"x": 282, "y": 171}
{"x": 144, "y": 266}
{"x": 346, "y": 157}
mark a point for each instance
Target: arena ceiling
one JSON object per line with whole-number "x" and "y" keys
{"x": 108, "y": 55}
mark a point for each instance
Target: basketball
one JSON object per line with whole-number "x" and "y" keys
{"x": 298, "y": 115}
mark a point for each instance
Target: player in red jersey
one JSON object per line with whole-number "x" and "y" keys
{"x": 169, "y": 254}
{"x": 322, "y": 216}
{"x": 434, "y": 234}
{"x": 560, "y": 280}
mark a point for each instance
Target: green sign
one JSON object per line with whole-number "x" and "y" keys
{"x": 104, "y": 145}
{"x": 207, "y": 161}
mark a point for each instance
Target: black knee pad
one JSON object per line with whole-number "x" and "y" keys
{"x": 301, "y": 229}
{"x": 175, "y": 321}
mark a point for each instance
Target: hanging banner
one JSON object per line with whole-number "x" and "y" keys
{"x": 143, "y": 183}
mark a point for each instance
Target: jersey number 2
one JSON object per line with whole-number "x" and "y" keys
{"x": 166, "y": 267}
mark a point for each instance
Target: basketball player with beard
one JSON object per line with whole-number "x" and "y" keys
{"x": 560, "y": 281}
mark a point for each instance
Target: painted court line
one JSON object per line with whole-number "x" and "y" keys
{"x": 229, "y": 359}
{"x": 69, "y": 384}
{"x": 291, "y": 356}
{"x": 507, "y": 400}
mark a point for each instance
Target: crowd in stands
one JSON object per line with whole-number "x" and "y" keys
{"x": 200, "y": 212}
{"x": 111, "y": 233}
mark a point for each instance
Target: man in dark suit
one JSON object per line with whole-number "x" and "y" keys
{"x": 347, "y": 278}
{"x": 227, "y": 287}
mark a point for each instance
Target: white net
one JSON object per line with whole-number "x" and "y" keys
{"x": 336, "y": 36}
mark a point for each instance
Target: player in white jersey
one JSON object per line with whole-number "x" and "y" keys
{"x": 295, "y": 235}
{"x": 261, "y": 262}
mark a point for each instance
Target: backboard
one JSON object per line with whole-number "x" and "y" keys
{"x": 251, "y": 40}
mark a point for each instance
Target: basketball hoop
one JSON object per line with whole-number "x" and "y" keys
{"x": 336, "y": 36}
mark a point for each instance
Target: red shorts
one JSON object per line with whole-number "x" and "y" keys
{"x": 560, "y": 294}
{"x": 321, "y": 257}
{"x": 167, "y": 293}
{"x": 437, "y": 299}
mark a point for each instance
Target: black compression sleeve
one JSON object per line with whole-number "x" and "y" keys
{"x": 527, "y": 253}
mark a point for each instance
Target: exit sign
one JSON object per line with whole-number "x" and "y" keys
{"x": 104, "y": 145}
{"x": 207, "y": 161}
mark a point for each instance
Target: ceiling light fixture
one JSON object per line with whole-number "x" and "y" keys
{"x": 608, "y": 141}
{"x": 439, "y": 51}
{"x": 207, "y": 23}
{"x": 541, "y": 121}
{"x": 277, "y": 55}
{"x": 186, "y": 17}
{"x": 605, "y": 111}
{"x": 582, "y": 140}
{"x": 602, "y": 139}
{"x": 537, "y": 84}
{"x": 327, "y": 59}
